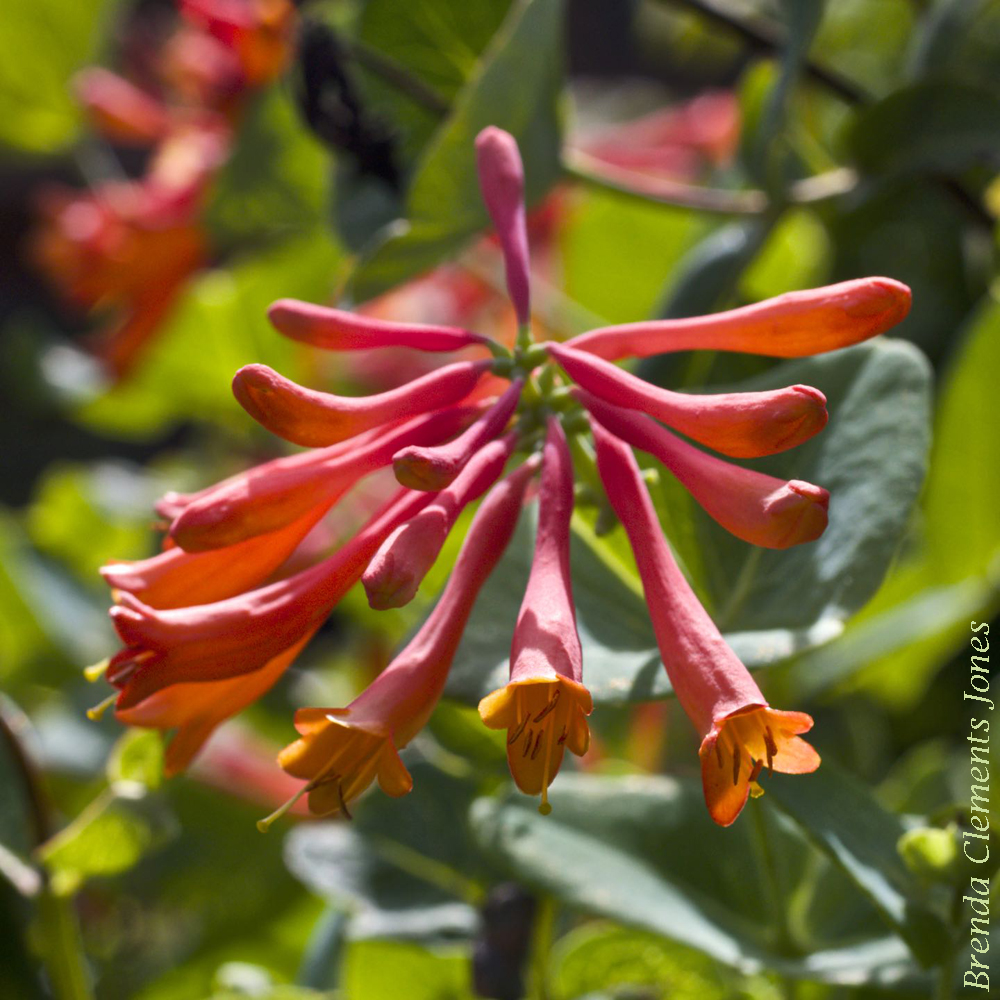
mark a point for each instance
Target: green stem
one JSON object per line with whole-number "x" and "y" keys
{"x": 542, "y": 939}
{"x": 61, "y": 947}
{"x": 786, "y": 940}
{"x": 58, "y": 933}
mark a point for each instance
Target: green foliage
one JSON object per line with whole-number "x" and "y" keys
{"x": 516, "y": 87}
{"x": 45, "y": 42}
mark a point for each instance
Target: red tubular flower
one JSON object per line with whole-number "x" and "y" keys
{"x": 175, "y": 578}
{"x": 434, "y": 468}
{"x": 760, "y": 509}
{"x": 792, "y": 325}
{"x": 341, "y": 751}
{"x": 337, "y": 330}
{"x": 260, "y": 32}
{"x": 740, "y": 733}
{"x": 270, "y": 496}
{"x": 120, "y": 110}
{"x": 304, "y": 416}
{"x": 501, "y": 178}
{"x": 399, "y": 566}
{"x": 544, "y": 705}
{"x": 740, "y": 424}
{"x": 240, "y": 635}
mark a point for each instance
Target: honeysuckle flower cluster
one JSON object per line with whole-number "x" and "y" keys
{"x": 213, "y": 621}
{"x": 127, "y": 248}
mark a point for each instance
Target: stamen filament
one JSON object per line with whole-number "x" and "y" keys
{"x": 98, "y": 710}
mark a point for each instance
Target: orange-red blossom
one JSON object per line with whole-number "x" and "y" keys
{"x": 205, "y": 632}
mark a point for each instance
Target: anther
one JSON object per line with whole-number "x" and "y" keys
{"x": 343, "y": 804}
{"x": 512, "y": 739}
{"x": 562, "y": 739}
{"x": 538, "y": 744}
{"x": 772, "y": 748}
{"x": 718, "y": 752}
{"x": 549, "y": 707}
{"x": 527, "y": 743}
{"x": 758, "y": 766}
{"x": 98, "y": 710}
{"x": 736, "y": 765}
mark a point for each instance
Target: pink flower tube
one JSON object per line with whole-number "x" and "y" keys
{"x": 338, "y": 330}
{"x": 433, "y": 468}
{"x": 760, "y": 509}
{"x": 740, "y": 424}
{"x": 501, "y": 179}
{"x": 269, "y": 497}
{"x": 341, "y": 751}
{"x": 241, "y": 634}
{"x": 314, "y": 419}
{"x": 544, "y": 705}
{"x": 404, "y": 558}
{"x": 792, "y": 325}
{"x": 740, "y": 733}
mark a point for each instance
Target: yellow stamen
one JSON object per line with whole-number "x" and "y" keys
{"x": 98, "y": 710}
{"x": 96, "y": 670}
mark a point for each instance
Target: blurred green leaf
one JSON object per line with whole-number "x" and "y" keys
{"x": 931, "y": 125}
{"x": 107, "y": 838}
{"x": 642, "y": 851}
{"x": 842, "y": 817}
{"x": 44, "y": 43}
{"x": 219, "y": 326}
{"x": 599, "y": 957}
{"x": 440, "y": 42}
{"x": 769, "y": 604}
{"x": 376, "y": 970}
{"x": 137, "y": 757}
{"x": 516, "y": 87}
{"x": 949, "y": 576}
{"x": 273, "y": 187}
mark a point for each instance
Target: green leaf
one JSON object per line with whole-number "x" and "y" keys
{"x": 949, "y": 574}
{"x": 109, "y": 837}
{"x": 515, "y": 88}
{"x": 378, "y": 970}
{"x": 842, "y": 817}
{"x": 137, "y": 757}
{"x": 931, "y": 125}
{"x": 44, "y": 43}
{"x": 438, "y": 41}
{"x": 769, "y": 604}
{"x": 219, "y": 325}
{"x": 274, "y": 186}
{"x": 642, "y": 851}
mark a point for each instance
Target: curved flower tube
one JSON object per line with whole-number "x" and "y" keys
{"x": 739, "y": 424}
{"x": 740, "y": 733}
{"x": 501, "y": 179}
{"x": 792, "y": 325}
{"x": 341, "y": 751}
{"x": 400, "y": 565}
{"x": 338, "y": 330}
{"x": 315, "y": 419}
{"x": 175, "y": 578}
{"x": 434, "y": 468}
{"x": 241, "y": 634}
{"x": 269, "y": 497}
{"x": 544, "y": 705}
{"x": 120, "y": 109}
{"x": 760, "y": 509}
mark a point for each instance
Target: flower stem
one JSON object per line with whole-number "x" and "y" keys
{"x": 541, "y": 947}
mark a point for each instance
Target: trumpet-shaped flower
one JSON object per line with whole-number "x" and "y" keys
{"x": 758, "y": 508}
{"x": 740, "y": 733}
{"x": 544, "y": 705}
{"x": 741, "y": 424}
{"x": 792, "y": 325}
{"x": 341, "y": 751}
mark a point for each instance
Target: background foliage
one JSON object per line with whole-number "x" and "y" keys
{"x": 870, "y": 141}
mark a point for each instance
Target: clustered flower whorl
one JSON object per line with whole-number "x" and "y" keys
{"x": 206, "y": 628}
